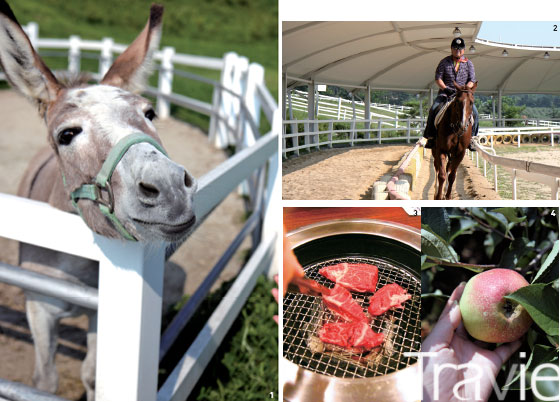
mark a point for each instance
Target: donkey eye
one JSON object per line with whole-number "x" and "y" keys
{"x": 66, "y": 136}
{"x": 150, "y": 114}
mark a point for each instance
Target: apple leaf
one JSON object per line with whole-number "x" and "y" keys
{"x": 546, "y": 263}
{"x": 510, "y": 214}
{"x": 541, "y": 302}
{"x": 433, "y": 245}
{"x": 437, "y": 221}
{"x": 540, "y": 354}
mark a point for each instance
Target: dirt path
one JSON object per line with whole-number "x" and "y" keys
{"x": 349, "y": 174}
{"x": 22, "y": 133}
{"x": 338, "y": 174}
{"x": 470, "y": 184}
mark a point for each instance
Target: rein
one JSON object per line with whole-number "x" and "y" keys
{"x": 102, "y": 184}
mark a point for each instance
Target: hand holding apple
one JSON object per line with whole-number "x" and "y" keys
{"x": 487, "y": 315}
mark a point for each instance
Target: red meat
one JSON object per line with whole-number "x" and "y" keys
{"x": 357, "y": 277}
{"x": 387, "y": 297}
{"x": 350, "y": 335}
{"x": 340, "y": 301}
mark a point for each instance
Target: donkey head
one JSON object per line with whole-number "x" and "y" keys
{"x": 115, "y": 171}
{"x": 465, "y": 99}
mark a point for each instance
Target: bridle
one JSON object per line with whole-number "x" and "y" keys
{"x": 456, "y": 126}
{"x": 102, "y": 184}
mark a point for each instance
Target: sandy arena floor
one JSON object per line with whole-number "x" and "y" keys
{"x": 349, "y": 174}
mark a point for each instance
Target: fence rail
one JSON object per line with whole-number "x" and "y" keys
{"x": 532, "y": 171}
{"x": 237, "y": 101}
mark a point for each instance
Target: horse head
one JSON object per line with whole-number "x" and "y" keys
{"x": 462, "y": 110}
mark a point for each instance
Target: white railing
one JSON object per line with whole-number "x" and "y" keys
{"x": 339, "y": 108}
{"x": 519, "y": 135}
{"x": 129, "y": 327}
{"x": 317, "y": 133}
{"x": 532, "y": 171}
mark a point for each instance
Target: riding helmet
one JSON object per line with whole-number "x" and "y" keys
{"x": 458, "y": 43}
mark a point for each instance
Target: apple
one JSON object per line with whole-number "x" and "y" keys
{"x": 487, "y": 315}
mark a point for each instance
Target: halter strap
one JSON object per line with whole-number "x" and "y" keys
{"x": 102, "y": 183}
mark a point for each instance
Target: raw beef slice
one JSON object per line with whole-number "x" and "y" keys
{"x": 357, "y": 277}
{"x": 340, "y": 301}
{"x": 387, "y": 297}
{"x": 350, "y": 335}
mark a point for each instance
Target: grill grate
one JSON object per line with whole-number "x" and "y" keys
{"x": 304, "y": 315}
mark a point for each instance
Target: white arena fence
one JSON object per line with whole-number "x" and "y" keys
{"x": 532, "y": 171}
{"x": 339, "y": 108}
{"x": 317, "y": 133}
{"x": 128, "y": 340}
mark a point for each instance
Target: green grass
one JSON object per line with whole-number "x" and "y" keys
{"x": 211, "y": 28}
{"x": 245, "y": 366}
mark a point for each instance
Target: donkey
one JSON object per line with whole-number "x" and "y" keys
{"x": 453, "y": 138}
{"x": 104, "y": 161}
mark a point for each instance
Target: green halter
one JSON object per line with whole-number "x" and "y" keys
{"x": 103, "y": 181}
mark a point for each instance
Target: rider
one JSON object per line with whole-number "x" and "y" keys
{"x": 452, "y": 68}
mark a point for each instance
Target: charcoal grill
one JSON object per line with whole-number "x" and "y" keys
{"x": 312, "y": 372}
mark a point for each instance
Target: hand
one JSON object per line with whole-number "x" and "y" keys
{"x": 291, "y": 265}
{"x": 449, "y": 91}
{"x": 291, "y": 268}
{"x": 451, "y": 345}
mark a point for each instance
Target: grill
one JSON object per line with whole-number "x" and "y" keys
{"x": 394, "y": 249}
{"x": 304, "y": 315}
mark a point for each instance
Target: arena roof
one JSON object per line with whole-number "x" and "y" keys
{"x": 404, "y": 56}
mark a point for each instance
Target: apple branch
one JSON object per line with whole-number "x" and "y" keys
{"x": 472, "y": 267}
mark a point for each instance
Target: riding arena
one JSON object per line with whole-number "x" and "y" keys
{"x": 348, "y": 147}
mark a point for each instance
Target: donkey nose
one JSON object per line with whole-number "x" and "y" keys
{"x": 189, "y": 180}
{"x": 148, "y": 191}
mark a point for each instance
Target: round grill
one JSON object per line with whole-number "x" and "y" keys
{"x": 304, "y": 315}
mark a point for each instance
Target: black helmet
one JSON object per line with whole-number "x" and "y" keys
{"x": 458, "y": 43}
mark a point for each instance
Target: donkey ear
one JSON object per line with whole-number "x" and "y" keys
{"x": 132, "y": 68}
{"x": 22, "y": 65}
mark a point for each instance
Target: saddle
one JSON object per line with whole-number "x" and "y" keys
{"x": 441, "y": 112}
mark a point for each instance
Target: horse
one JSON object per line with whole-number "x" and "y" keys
{"x": 105, "y": 161}
{"x": 453, "y": 138}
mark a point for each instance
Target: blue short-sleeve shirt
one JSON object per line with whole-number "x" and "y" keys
{"x": 446, "y": 71}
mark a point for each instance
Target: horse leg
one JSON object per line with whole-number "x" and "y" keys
{"x": 43, "y": 322}
{"x": 88, "y": 365}
{"x": 452, "y": 173}
{"x": 439, "y": 164}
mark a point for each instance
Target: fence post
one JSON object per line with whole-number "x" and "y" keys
{"x": 128, "y": 322}
{"x": 496, "y": 177}
{"x": 306, "y": 139}
{"x": 339, "y": 106}
{"x": 165, "y": 82}
{"x": 379, "y": 131}
{"x": 255, "y": 77}
{"x": 514, "y": 184}
{"x": 106, "y": 58}
{"x": 330, "y": 133}
{"x": 221, "y": 104}
{"x": 74, "y": 54}
{"x": 32, "y": 31}
{"x": 408, "y": 131}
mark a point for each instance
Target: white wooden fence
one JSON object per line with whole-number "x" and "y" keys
{"x": 131, "y": 274}
{"x": 317, "y": 133}
{"x": 532, "y": 171}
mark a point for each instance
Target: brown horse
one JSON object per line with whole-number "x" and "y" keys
{"x": 453, "y": 138}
